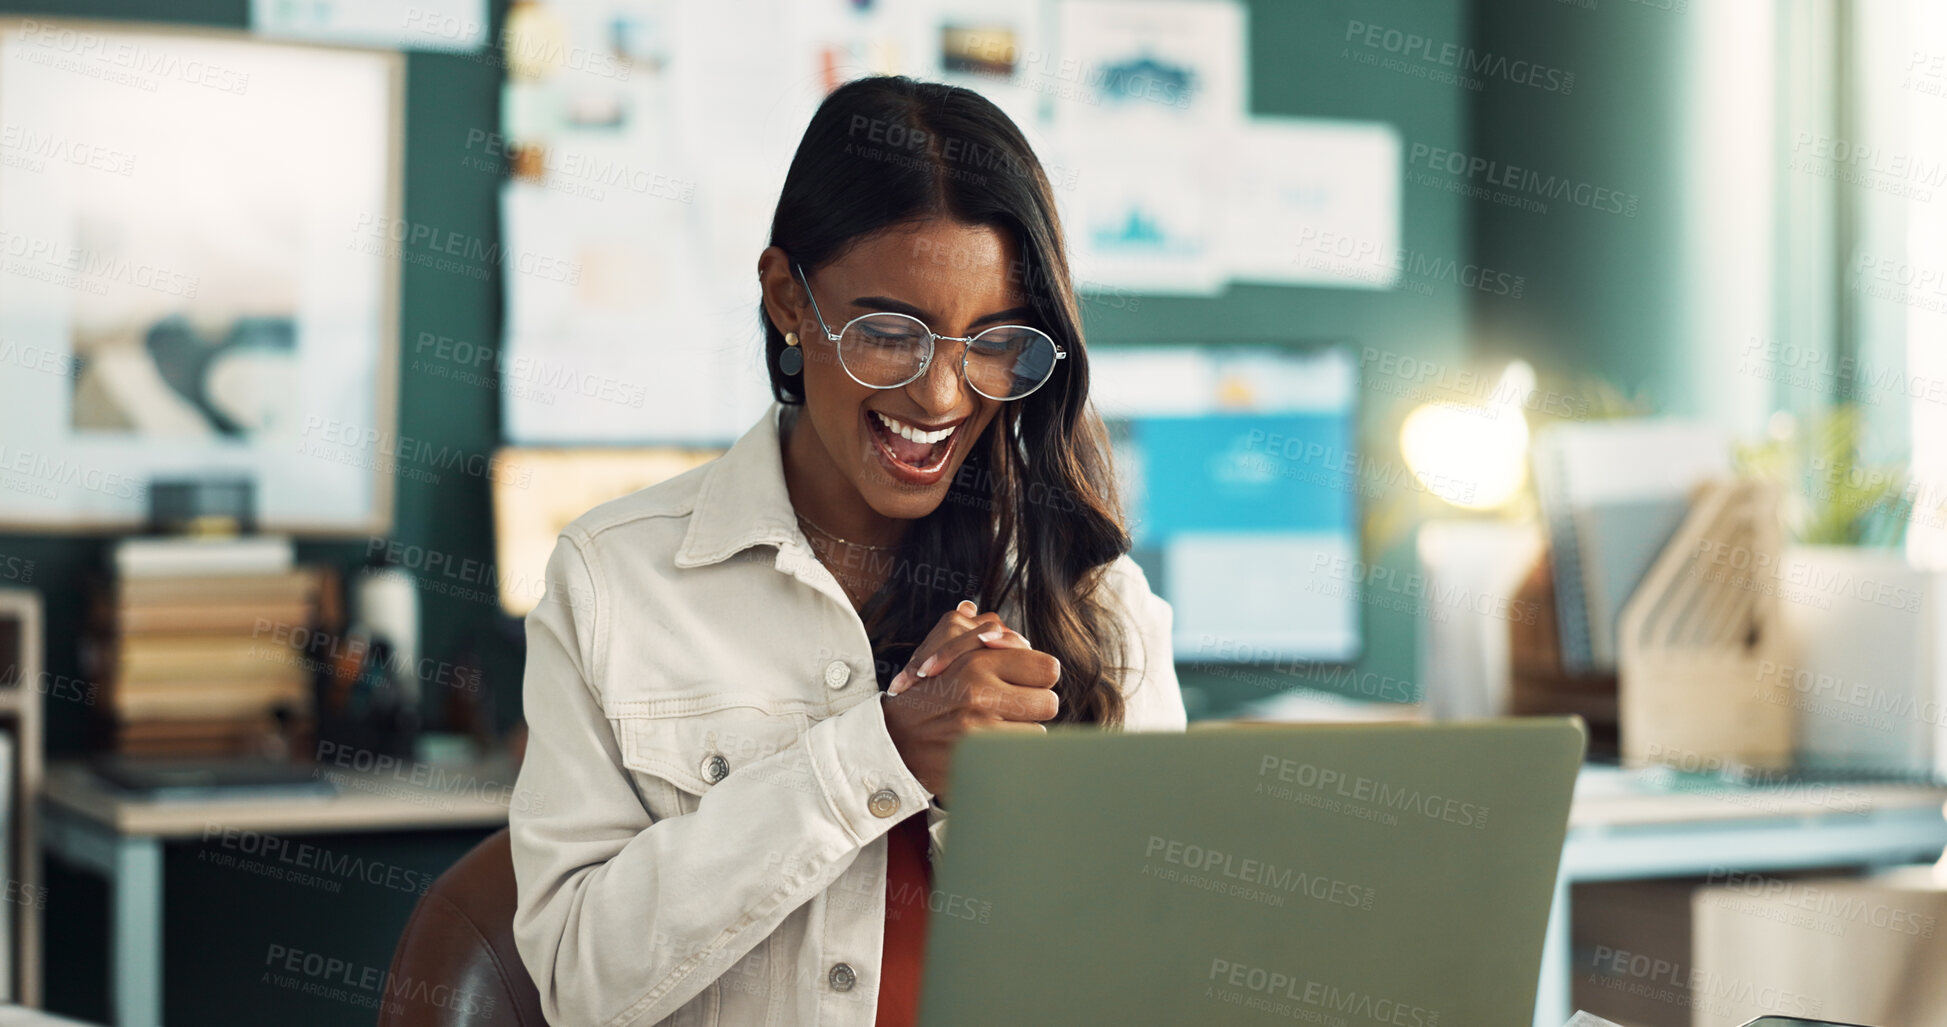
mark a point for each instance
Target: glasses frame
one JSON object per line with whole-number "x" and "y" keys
{"x": 932, "y": 345}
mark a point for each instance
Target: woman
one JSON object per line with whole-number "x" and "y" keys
{"x": 744, "y": 684}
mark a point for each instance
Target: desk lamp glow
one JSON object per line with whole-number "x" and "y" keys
{"x": 1474, "y": 456}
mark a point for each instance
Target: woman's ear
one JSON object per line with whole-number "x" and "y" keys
{"x": 784, "y": 298}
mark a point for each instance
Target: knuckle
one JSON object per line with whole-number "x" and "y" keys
{"x": 983, "y": 700}
{"x": 960, "y": 691}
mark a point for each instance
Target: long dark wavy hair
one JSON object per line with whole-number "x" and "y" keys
{"x": 890, "y": 151}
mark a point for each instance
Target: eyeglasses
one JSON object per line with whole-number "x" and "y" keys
{"x": 886, "y": 351}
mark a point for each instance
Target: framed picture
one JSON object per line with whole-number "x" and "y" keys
{"x": 199, "y": 251}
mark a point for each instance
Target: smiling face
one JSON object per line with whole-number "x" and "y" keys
{"x": 858, "y": 456}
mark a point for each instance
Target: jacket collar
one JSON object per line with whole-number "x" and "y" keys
{"x": 742, "y": 501}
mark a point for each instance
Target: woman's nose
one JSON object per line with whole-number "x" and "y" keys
{"x": 938, "y": 390}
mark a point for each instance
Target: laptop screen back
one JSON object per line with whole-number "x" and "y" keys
{"x": 1347, "y": 875}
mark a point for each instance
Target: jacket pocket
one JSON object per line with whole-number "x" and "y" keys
{"x": 678, "y": 750}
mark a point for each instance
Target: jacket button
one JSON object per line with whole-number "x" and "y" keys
{"x": 715, "y": 767}
{"x": 884, "y": 803}
{"x": 842, "y": 978}
{"x": 837, "y": 673}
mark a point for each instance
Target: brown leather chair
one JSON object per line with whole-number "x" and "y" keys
{"x": 456, "y": 965}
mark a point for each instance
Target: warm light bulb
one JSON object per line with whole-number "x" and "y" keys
{"x": 1474, "y": 456}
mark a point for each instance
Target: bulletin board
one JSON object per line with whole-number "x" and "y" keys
{"x": 649, "y": 139}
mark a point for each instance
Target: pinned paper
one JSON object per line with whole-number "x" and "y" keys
{"x": 438, "y": 25}
{"x": 1182, "y": 61}
{"x": 1313, "y": 202}
{"x": 1144, "y": 98}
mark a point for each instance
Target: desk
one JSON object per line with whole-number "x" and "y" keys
{"x": 91, "y": 826}
{"x": 1621, "y": 829}
{"x": 1618, "y": 830}
{"x": 21, "y": 1016}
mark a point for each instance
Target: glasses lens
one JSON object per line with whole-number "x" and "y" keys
{"x": 884, "y": 349}
{"x": 1010, "y": 361}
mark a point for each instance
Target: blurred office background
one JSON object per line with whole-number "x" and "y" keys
{"x": 1387, "y": 300}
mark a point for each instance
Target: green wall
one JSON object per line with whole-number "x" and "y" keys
{"x": 1606, "y": 295}
{"x": 220, "y": 923}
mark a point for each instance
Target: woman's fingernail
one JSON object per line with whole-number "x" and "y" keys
{"x": 989, "y": 636}
{"x": 967, "y": 607}
{"x": 899, "y": 682}
{"x": 927, "y": 667}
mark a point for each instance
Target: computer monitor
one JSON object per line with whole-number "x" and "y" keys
{"x": 1241, "y": 478}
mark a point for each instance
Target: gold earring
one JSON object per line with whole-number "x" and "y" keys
{"x": 791, "y": 361}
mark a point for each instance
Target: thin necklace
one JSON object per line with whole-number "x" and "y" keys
{"x": 809, "y": 523}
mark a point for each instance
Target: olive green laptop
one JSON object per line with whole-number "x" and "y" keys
{"x": 1346, "y": 875}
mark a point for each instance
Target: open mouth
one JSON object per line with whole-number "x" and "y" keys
{"x": 911, "y": 452}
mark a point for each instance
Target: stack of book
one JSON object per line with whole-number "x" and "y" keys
{"x": 202, "y": 647}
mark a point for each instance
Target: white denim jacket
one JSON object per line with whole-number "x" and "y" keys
{"x": 708, "y": 757}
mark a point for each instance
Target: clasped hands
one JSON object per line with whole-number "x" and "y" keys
{"x": 972, "y": 672}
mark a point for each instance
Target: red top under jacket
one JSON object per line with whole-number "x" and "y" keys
{"x": 909, "y": 884}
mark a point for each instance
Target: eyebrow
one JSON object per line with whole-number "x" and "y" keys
{"x": 888, "y": 304}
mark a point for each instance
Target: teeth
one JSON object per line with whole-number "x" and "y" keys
{"x": 912, "y": 434}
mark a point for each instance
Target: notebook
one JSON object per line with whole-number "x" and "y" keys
{"x": 1607, "y": 491}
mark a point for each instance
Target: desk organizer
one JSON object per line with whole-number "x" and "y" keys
{"x": 1698, "y": 636}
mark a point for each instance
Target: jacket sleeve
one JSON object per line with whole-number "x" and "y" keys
{"x": 623, "y": 918}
